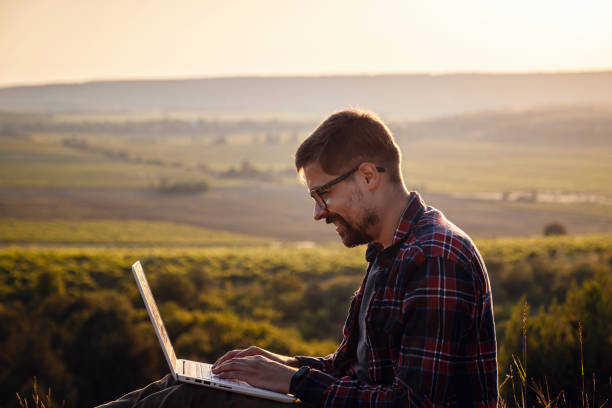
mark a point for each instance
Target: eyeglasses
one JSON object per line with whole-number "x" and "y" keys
{"x": 317, "y": 192}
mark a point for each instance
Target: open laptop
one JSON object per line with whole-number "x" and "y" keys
{"x": 193, "y": 372}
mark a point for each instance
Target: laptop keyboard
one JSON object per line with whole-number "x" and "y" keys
{"x": 202, "y": 370}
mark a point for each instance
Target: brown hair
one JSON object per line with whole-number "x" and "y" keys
{"x": 348, "y": 138}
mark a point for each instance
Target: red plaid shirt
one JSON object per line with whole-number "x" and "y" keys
{"x": 430, "y": 329}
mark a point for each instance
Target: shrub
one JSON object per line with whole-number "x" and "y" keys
{"x": 554, "y": 228}
{"x": 184, "y": 187}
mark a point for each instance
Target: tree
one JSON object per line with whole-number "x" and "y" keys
{"x": 555, "y": 228}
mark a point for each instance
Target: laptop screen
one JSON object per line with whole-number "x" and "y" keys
{"x": 160, "y": 329}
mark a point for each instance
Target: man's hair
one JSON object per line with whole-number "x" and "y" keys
{"x": 348, "y": 138}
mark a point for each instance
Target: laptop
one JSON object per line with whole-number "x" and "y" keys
{"x": 193, "y": 372}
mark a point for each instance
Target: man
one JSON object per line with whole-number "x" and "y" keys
{"x": 420, "y": 330}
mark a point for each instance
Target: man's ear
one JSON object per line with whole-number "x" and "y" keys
{"x": 370, "y": 175}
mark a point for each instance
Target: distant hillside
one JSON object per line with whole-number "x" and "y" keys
{"x": 392, "y": 96}
{"x": 585, "y": 126}
{"x": 566, "y": 125}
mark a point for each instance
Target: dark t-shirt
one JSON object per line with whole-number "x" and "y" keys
{"x": 361, "y": 368}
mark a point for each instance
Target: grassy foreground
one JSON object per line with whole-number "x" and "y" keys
{"x": 64, "y": 310}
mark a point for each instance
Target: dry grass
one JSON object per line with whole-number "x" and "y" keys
{"x": 541, "y": 395}
{"x": 38, "y": 400}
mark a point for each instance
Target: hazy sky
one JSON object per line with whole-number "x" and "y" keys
{"x": 75, "y": 40}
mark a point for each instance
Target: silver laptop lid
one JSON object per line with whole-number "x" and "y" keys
{"x": 160, "y": 329}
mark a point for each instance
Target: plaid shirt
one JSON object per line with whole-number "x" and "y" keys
{"x": 430, "y": 329}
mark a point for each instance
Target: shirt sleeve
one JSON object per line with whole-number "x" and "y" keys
{"x": 447, "y": 347}
{"x": 319, "y": 363}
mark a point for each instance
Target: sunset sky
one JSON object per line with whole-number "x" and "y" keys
{"x": 77, "y": 40}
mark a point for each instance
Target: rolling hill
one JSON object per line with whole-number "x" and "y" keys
{"x": 392, "y": 96}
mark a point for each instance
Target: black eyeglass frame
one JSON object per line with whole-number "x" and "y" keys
{"x": 316, "y": 192}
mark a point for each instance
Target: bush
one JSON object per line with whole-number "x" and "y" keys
{"x": 555, "y": 228}
{"x": 89, "y": 348}
{"x": 184, "y": 187}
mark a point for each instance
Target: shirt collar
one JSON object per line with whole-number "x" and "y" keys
{"x": 410, "y": 216}
{"x": 372, "y": 251}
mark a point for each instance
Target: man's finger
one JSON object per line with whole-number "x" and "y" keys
{"x": 242, "y": 364}
{"x": 232, "y": 375}
{"x": 251, "y": 351}
{"x": 229, "y": 365}
{"x": 222, "y": 358}
{"x": 227, "y": 356}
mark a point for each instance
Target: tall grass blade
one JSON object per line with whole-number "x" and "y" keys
{"x": 523, "y": 369}
{"x": 581, "y": 363}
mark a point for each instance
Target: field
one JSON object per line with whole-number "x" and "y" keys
{"x": 283, "y": 213}
{"x": 113, "y": 233}
{"x": 447, "y": 164}
{"x": 506, "y": 173}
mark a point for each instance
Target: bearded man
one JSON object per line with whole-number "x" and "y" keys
{"x": 420, "y": 329}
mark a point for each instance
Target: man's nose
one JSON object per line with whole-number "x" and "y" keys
{"x": 319, "y": 212}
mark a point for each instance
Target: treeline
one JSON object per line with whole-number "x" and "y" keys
{"x": 565, "y": 125}
{"x": 153, "y": 127}
{"x": 245, "y": 171}
{"x": 74, "y": 318}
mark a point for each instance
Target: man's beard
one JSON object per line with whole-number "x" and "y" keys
{"x": 354, "y": 235}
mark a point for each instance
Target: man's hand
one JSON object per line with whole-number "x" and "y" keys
{"x": 257, "y": 370}
{"x": 256, "y": 351}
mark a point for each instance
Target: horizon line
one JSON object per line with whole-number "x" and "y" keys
{"x": 304, "y": 75}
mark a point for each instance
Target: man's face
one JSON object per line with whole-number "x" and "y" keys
{"x": 345, "y": 207}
